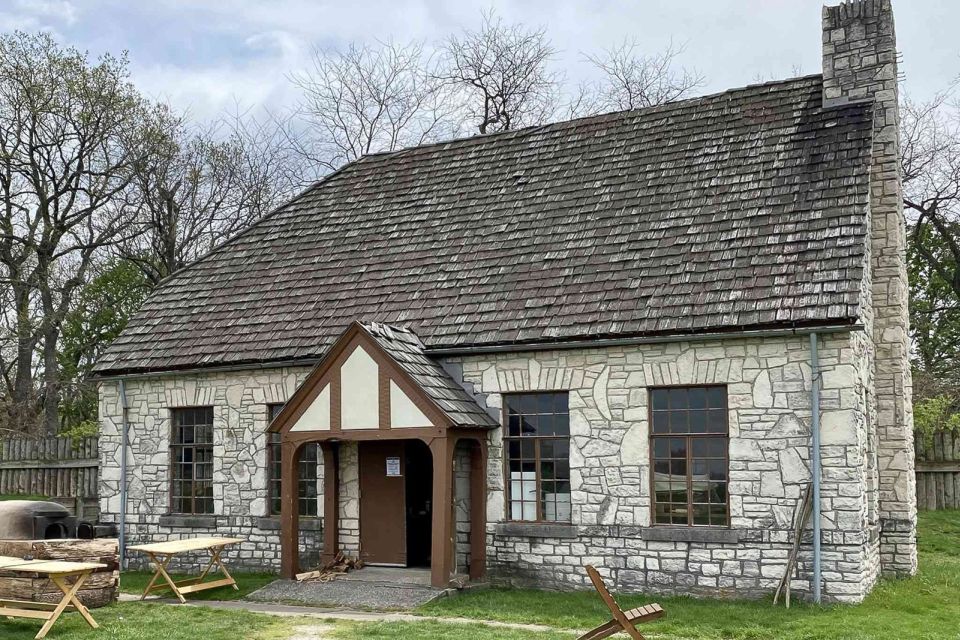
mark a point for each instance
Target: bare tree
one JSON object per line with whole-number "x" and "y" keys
{"x": 68, "y": 137}
{"x": 930, "y": 165}
{"x": 368, "y": 99}
{"x": 197, "y": 187}
{"x": 504, "y": 74}
{"x": 633, "y": 80}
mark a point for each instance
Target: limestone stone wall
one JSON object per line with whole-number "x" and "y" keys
{"x": 768, "y": 382}
{"x": 860, "y": 63}
{"x": 239, "y": 402}
{"x": 461, "y": 505}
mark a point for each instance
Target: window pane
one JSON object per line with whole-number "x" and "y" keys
{"x": 717, "y": 397}
{"x": 513, "y": 424}
{"x": 698, "y": 421}
{"x": 661, "y": 447}
{"x": 191, "y": 452}
{"x": 528, "y": 425}
{"x": 537, "y": 450}
{"x": 678, "y": 398}
{"x": 698, "y": 398}
{"x": 661, "y": 421}
{"x": 690, "y": 467}
{"x": 717, "y": 421}
{"x": 659, "y": 399}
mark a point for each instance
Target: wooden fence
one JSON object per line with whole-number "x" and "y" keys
{"x": 66, "y": 470}
{"x": 938, "y": 471}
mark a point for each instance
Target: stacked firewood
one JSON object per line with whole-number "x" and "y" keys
{"x": 339, "y": 566}
{"x": 99, "y": 590}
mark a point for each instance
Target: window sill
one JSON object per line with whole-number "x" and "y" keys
{"x": 272, "y": 523}
{"x": 190, "y": 521}
{"x": 537, "y": 529}
{"x": 690, "y": 534}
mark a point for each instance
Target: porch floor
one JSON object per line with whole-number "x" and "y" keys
{"x": 377, "y": 588}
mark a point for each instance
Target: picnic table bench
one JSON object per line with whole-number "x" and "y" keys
{"x": 161, "y": 553}
{"x": 58, "y": 572}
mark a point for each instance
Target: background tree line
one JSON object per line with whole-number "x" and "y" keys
{"x": 106, "y": 193}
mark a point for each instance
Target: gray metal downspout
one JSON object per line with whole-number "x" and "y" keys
{"x": 815, "y": 460}
{"x": 123, "y": 474}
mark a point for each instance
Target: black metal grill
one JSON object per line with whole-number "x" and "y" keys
{"x": 29, "y": 520}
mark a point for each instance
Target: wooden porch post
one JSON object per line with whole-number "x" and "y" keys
{"x": 289, "y": 510}
{"x": 331, "y": 504}
{"x": 478, "y": 509}
{"x": 442, "y": 539}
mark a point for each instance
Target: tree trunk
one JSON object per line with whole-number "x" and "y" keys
{"x": 51, "y": 381}
{"x": 24, "y": 416}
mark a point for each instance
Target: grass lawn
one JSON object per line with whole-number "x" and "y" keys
{"x": 136, "y": 581}
{"x": 429, "y": 630}
{"x": 927, "y": 606}
{"x": 144, "y": 621}
{"x": 26, "y": 496}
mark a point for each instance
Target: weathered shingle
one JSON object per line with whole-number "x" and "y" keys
{"x": 407, "y": 350}
{"x": 745, "y": 209}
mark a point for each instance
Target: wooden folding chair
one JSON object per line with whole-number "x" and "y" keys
{"x": 622, "y": 620}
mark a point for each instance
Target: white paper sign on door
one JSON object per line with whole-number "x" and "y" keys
{"x": 393, "y": 467}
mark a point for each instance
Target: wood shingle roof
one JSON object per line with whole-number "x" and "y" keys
{"x": 745, "y": 209}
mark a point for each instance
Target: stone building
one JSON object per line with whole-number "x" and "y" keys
{"x": 600, "y": 341}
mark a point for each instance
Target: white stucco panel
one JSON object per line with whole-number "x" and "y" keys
{"x": 403, "y": 412}
{"x": 359, "y": 395}
{"x": 317, "y": 415}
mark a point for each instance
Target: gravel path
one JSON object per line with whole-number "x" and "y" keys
{"x": 346, "y": 594}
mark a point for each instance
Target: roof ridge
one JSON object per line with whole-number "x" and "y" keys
{"x": 673, "y": 104}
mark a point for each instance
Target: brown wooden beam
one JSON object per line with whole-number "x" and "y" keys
{"x": 331, "y": 500}
{"x": 426, "y": 434}
{"x": 289, "y": 510}
{"x": 442, "y": 543}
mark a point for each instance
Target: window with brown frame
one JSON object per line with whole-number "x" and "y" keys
{"x": 191, "y": 453}
{"x": 307, "y": 485}
{"x": 537, "y": 443}
{"x": 688, "y": 444}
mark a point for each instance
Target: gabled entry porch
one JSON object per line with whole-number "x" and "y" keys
{"x": 390, "y": 423}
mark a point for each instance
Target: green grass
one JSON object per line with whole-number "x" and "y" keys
{"x": 26, "y": 496}
{"x": 143, "y": 621}
{"x": 927, "y": 606}
{"x": 136, "y": 581}
{"x": 429, "y": 630}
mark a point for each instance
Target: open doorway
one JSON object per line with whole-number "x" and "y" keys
{"x": 419, "y": 497}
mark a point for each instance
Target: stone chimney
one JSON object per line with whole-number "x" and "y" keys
{"x": 860, "y": 64}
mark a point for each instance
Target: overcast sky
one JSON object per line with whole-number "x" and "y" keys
{"x": 207, "y": 55}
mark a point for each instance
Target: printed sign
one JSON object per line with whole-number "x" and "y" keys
{"x": 393, "y": 467}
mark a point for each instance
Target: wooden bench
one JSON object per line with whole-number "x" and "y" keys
{"x": 622, "y": 620}
{"x": 58, "y": 572}
{"x": 161, "y": 553}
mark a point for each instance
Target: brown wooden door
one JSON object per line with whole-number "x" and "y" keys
{"x": 383, "y": 524}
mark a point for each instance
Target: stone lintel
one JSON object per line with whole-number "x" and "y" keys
{"x": 272, "y": 523}
{"x": 195, "y": 522}
{"x": 536, "y": 530}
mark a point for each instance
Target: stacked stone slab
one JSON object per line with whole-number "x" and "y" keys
{"x": 860, "y": 63}
{"x": 768, "y": 383}
{"x": 240, "y": 401}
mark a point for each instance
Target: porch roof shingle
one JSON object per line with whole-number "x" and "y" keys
{"x": 741, "y": 210}
{"x": 407, "y": 350}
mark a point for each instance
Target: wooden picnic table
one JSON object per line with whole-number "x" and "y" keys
{"x": 58, "y": 572}
{"x": 161, "y": 553}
